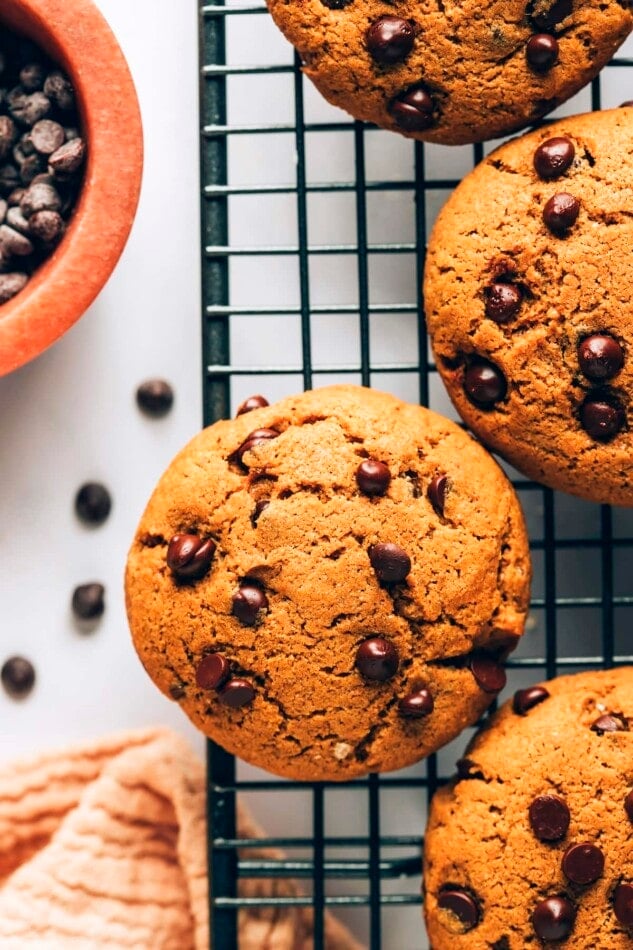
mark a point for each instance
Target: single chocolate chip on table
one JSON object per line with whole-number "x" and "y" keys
{"x": 561, "y": 213}
{"x": 17, "y": 676}
{"x": 600, "y": 356}
{"x": 609, "y": 723}
{"x": 488, "y": 672}
{"x": 389, "y": 40}
{"x": 416, "y": 705}
{"x": 248, "y": 602}
{"x": 189, "y": 557}
{"x": 554, "y": 157}
{"x": 93, "y": 503}
{"x": 549, "y": 817}
{"x": 377, "y": 659}
{"x": 436, "y": 493}
{"x": 503, "y": 301}
{"x": 237, "y": 693}
{"x": 554, "y": 918}
{"x": 253, "y": 402}
{"x": 373, "y": 477}
{"x": 88, "y": 601}
{"x": 460, "y": 903}
{"x": 623, "y": 904}
{"x": 602, "y": 418}
{"x": 155, "y": 397}
{"x": 484, "y": 384}
{"x": 526, "y": 699}
{"x": 390, "y": 562}
{"x": 542, "y": 52}
{"x": 583, "y": 863}
{"x": 213, "y": 671}
{"x": 414, "y": 109}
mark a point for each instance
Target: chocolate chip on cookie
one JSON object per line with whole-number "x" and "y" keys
{"x": 609, "y": 723}
{"x": 416, "y": 705}
{"x": 503, "y": 301}
{"x": 437, "y": 492}
{"x": 390, "y": 562}
{"x": 373, "y": 477}
{"x": 602, "y": 417}
{"x": 554, "y": 918}
{"x": 561, "y": 213}
{"x": 237, "y": 693}
{"x": 377, "y": 659}
{"x": 526, "y": 699}
{"x": 414, "y": 110}
{"x": 248, "y": 603}
{"x": 484, "y": 384}
{"x": 389, "y": 40}
{"x": 542, "y": 51}
{"x": 189, "y": 557}
{"x": 212, "y": 671}
{"x": 554, "y": 157}
{"x": 583, "y": 863}
{"x": 549, "y": 817}
{"x": 253, "y": 402}
{"x": 600, "y": 357}
{"x": 461, "y": 904}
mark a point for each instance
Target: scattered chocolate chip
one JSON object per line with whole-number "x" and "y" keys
{"x": 13, "y": 242}
{"x": 46, "y": 226}
{"x": 583, "y": 863}
{"x": 32, "y": 76}
{"x": 484, "y": 384}
{"x": 8, "y": 135}
{"x": 488, "y": 672}
{"x": 460, "y": 903}
{"x": 236, "y": 693}
{"x": 628, "y": 804}
{"x": 554, "y": 918}
{"x": 436, "y": 493}
{"x": 390, "y": 40}
{"x": 623, "y": 904}
{"x": 377, "y": 659}
{"x": 390, "y": 562}
{"x": 11, "y": 284}
{"x": 60, "y": 91}
{"x": 213, "y": 671}
{"x": 561, "y": 213}
{"x": 155, "y": 397}
{"x": 257, "y": 437}
{"x": 503, "y": 302}
{"x": 260, "y": 506}
{"x": 88, "y": 601}
{"x": 526, "y": 699}
{"x": 93, "y": 503}
{"x": 542, "y": 52}
{"x": 253, "y": 402}
{"x": 68, "y": 158}
{"x": 600, "y": 356}
{"x": 602, "y": 417}
{"x": 27, "y": 109}
{"x": 373, "y": 477}
{"x": 549, "y": 818}
{"x": 17, "y": 676}
{"x": 554, "y": 157}
{"x": 416, "y": 705}
{"x": 609, "y": 723}
{"x": 414, "y": 109}
{"x": 47, "y": 136}
{"x": 40, "y": 196}
{"x": 189, "y": 557}
{"x": 248, "y": 601}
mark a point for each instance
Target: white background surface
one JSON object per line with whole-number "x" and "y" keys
{"x": 70, "y": 416}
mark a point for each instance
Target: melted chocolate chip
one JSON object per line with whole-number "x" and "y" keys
{"x": 213, "y": 671}
{"x": 628, "y": 804}
{"x": 549, "y": 818}
{"x": 373, "y": 477}
{"x": 17, "y": 676}
{"x": 623, "y": 904}
{"x": 417, "y": 705}
{"x": 237, "y": 693}
{"x": 554, "y": 157}
{"x": 583, "y": 863}
{"x": 561, "y": 213}
{"x": 253, "y": 402}
{"x": 390, "y": 562}
{"x": 257, "y": 437}
{"x": 377, "y": 659}
{"x": 260, "y": 506}
{"x": 390, "y": 40}
{"x": 609, "y": 723}
{"x": 177, "y": 691}
{"x": 542, "y": 52}
{"x": 526, "y": 699}
{"x": 247, "y": 604}
{"x": 189, "y": 557}
{"x": 93, "y": 503}
{"x": 554, "y": 918}
{"x": 602, "y": 417}
{"x": 88, "y": 601}
{"x": 460, "y": 903}
{"x": 503, "y": 302}
{"x": 488, "y": 672}
{"x": 414, "y": 109}
{"x": 436, "y": 493}
{"x": 546, "y": 17}
{"x": 600, "y": 357}
{"x": 155, "y": 397}
{"x": 484, "y": 384}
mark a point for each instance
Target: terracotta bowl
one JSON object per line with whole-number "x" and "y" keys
{"x": 77, "y": 38}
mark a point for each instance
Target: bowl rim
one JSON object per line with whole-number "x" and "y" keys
{"x": 65, "y": 285}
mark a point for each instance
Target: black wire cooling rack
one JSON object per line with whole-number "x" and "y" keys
{"x": 583, "y": 554}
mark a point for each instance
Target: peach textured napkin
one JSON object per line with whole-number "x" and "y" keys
{"x": 104, "y": 846}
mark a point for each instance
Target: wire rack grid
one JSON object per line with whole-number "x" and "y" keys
{"x": 314, "y": 230}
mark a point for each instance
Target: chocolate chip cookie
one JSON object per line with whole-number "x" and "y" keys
{"x": 457, "y": 71}
{"x": 531, "y": 843}
{"x": 327, "y": 585}
{"x": 528, "y": 283}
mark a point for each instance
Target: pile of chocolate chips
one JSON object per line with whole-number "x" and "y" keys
{"x": 41, "y": 159}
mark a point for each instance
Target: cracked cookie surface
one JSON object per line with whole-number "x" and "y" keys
{"x": 455, "y": 71}
{"x": 532, "y": 844}
{"x": 325, "y": 585}
{"x": 528, "y": 283}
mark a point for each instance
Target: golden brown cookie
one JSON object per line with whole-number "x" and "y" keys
{"x": 528, "y": 283}
{"x": 326, "y": 585}
{"x": 456, "y": 71}
{"x": 532, "y": 843}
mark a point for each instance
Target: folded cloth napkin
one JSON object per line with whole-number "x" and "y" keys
{"x": 104, "y": 846}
